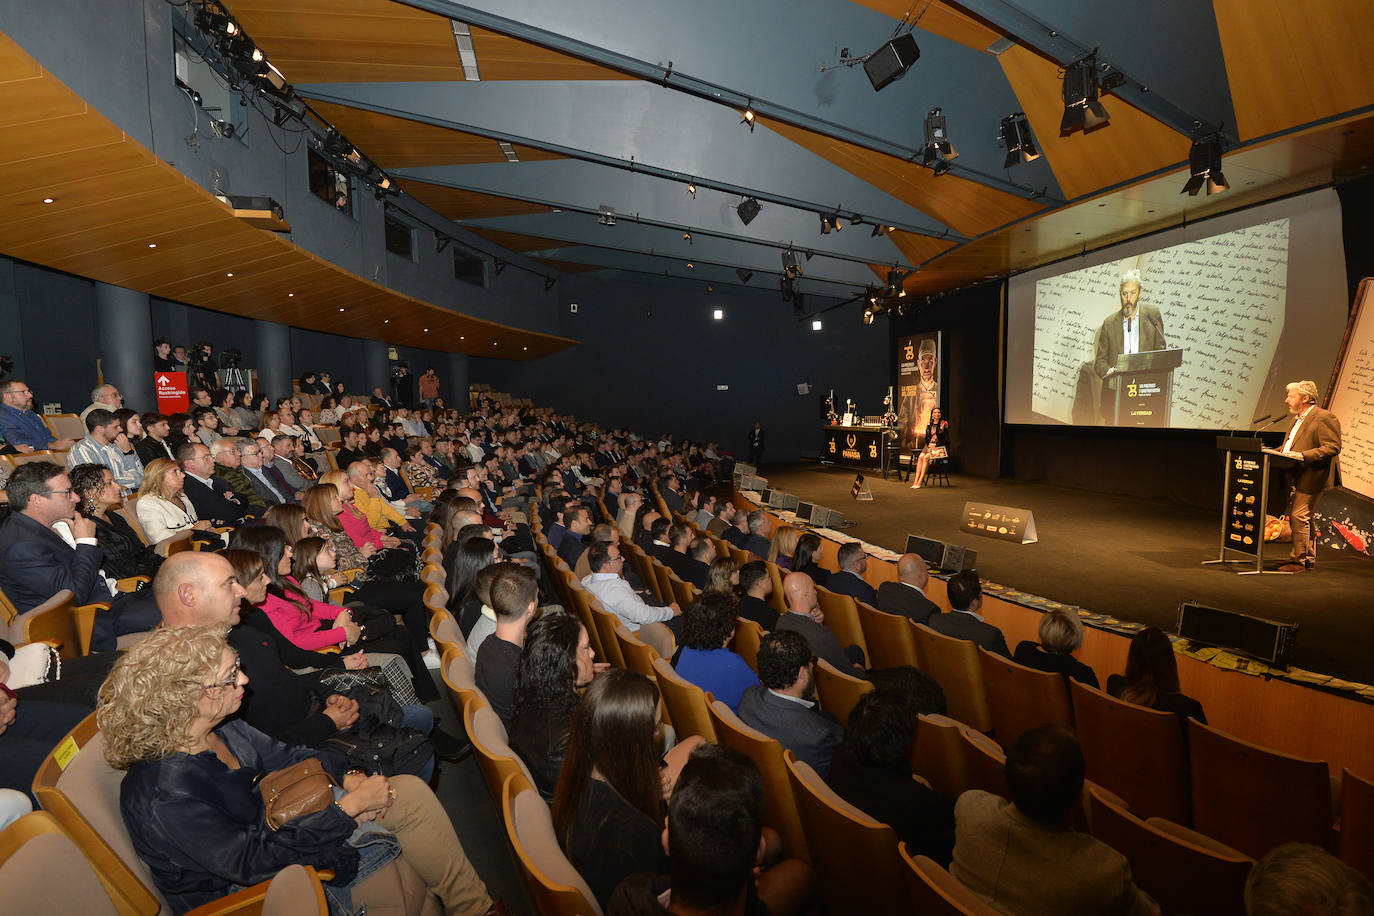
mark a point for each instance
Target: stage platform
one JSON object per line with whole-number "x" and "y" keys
{"x": 1129, "y": 558}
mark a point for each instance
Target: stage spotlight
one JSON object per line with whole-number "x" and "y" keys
{"x": 687, "y": 237}
{"x": 895, "y": 283}
{"x": 937, "y": 150}
{"x": 1016, "y": 137}
{"x": 877, "y": 231}
{"x": 744, "y": 275}
{"x": 869, "y": 315}
{"x": 692, "y": 189}
{"x": 825, "y": 223}
{"x": 785, "y": 285}
{"x": 940, "y": 168}
{"x": 747, "y": 210}
{"x": 830, "y": 222}
{"x": 1204, "y": 164}
{"x": 816, "y": 324}
{"x": 791, "y": 268}
{"x": 1082, "y": 110}
{"x": 605, "y": 215}
{"x": 748, "y": 117}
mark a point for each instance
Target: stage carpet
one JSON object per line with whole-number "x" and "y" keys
{"x": 1130, "y": 558}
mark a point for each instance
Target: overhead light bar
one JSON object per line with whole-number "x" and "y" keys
{"x": 467, "y": 53}
{"x": 1016, "y": 137}
{"x": 1082, "y": 110}
{"x": 605, "y": 215}
{"x": 1204, "y": 166}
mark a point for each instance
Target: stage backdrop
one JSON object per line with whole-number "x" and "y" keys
{"x": 918, "y": 383}
{"x": 1254, "y": 299}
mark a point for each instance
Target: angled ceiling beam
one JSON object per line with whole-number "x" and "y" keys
{"x": 727, "y": 62}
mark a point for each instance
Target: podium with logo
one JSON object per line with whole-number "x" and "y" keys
{"x": 1144, "y": 387}
{"x": 856, "y": 446}
{"x": 1245, "y": 501}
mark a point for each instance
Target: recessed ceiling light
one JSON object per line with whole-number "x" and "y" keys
{"x": 461, "y": 337}
{"x": 426, "y": 330}
{"x": 152, "y": 244}
{"x": 341, "y": 308}
{"x": 228, "y": 275}
{"x": 524, "y": 348}
{"x": 290, "y": 295}
{"x": 47, "y": 200}
{"x": 387, "y": 321}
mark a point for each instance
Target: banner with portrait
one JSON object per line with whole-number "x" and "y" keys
{"x": 918, "y": 385}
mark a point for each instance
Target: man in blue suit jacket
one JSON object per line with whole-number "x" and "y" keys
{"x": 37, "y": 563}
{"x": 782, "y": 706}
{"x": 850, "y": 579}
{"x": 966, "y": 597}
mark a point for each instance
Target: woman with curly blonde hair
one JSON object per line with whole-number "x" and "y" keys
{"x": 191, "y": 803}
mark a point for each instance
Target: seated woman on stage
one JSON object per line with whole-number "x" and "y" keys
{"x": 1151, "y": 677}
{"x": 1061, "y": 634}
{"x": 191, "y": 804}
{"x": 936, "y": 437}
{"x": 784, "y": 545}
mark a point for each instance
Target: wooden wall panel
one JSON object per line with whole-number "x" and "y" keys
{"x": 1133, "y": 144}
{"x": 1290, "y": 63}
{"x": 970, "y": 208}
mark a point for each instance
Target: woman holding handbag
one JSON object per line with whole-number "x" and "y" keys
{"x": 191, "y": 802}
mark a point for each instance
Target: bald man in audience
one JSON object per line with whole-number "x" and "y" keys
{"x": 907, "y": 596}
{"x": 805, "y": 617}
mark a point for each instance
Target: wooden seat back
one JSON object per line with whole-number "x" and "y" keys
{"x": 890, "y": 639}
{"x": 842, "y": 618}
{"x": 1279, "y": 799}
{"x": 1021, "y": 698}
{"x": 955, "y": 666}
{"x": 638, "y": 655}
{"x": 491, "y": 745}
{"x": 34, "y": 850}
{"x": 935, "y": 892}
{"x": 779, "y": 803}
{"x": 1357, "y": 823}
{"x": 837, "y": 691}
{"x": 775, "y": 597}
{"x": 1137, "y": 753}
{"x": 606, "y": 623}
{"x": 748, "y": 636}
{"x": 854, "y": 855}
{"x": 687, "y": 704}
{"x": 557, "y": 888}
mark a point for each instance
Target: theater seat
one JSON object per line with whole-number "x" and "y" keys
{"x": 686, "y": 703}
{"x": 935, "y": 892}
{"x": 491, "y": 745}
{"x": 42, "y": 870}
{"x": 748, "y": 637}
{"x": 556, "y": 886}
{"x": 837, "y": 691}
{"x": 1021, "y": 698}
{"x": 955, "y": 666}
{"x": 779, "y": 803}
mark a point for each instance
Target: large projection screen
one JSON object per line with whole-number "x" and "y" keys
{"x": 1254, "y": 300}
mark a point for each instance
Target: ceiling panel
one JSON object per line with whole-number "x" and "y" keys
{"x": 112, "y": 199}
{"x": 1132, "y": 144}
{"x": 397, "y": 143}
{"x": 500, "y": 57}
{"x": 941, "y": 19}
{"x": 516, "y": 241}
{"x": 969, "y": 207}
{"x": 1292, "y": 63}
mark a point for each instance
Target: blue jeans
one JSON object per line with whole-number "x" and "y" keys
{"x": 420, "y": 718}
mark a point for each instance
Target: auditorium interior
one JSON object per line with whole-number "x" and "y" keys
{"x": 682, "y": 218}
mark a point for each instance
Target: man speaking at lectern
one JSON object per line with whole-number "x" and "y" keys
{"x": 1314, "y": 440}
{"x": 1134, "y": 328}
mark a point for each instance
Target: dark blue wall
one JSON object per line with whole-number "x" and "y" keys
{"x": 651, "y": 357}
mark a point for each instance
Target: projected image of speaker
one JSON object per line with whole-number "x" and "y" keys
{"x": 804, "y": 512}
{"x": 1269, "y": 641}
{"x": 956, "y": 559}
{"x": 891, "y": 61}
{"x": 928, "y": 549}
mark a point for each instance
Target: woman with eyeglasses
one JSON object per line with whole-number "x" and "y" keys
{"x": 163, "y": 509}
{"x": 191, "y": 803}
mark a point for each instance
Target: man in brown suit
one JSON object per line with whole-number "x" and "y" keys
{"x": 1315, "y": 441}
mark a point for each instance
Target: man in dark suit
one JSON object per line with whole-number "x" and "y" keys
{"x": 966, "y": 597}
{"x": 722, "y": 520}
{"x": 579, "y": 524}
{"x": 804, "y": 616}
{"x": 755, "y": 587}
{"x": 212, "y": 498}
{"x": 670, "y": 488}
{"x": 36, "y": 562}
{"x": 697, "y": 566}
{"x": 756, "y": 444}
{"x": 782, "y": 706}
{"x": 757, "y": 541}
{"x": 270, "y": 490}
{"x": 1134, "y": 328}
{"x": 736, "y": 530}
{"x": 907, "y": 596}
{"x": 850, "y": 579}
{"x": 1314, "y": 440}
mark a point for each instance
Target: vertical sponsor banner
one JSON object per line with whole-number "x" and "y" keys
{"x": 172, "y": 396}
{"x": 918, "y": 385}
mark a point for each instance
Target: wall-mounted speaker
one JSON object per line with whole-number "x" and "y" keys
{"x": 891, "y": 61}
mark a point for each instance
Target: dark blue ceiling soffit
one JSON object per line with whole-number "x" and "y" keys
{"x": 633, "y": 126}
{"x": 651, "y": 202}
{"x": 1168, "y": 50}
{"x": 769, "y": 53}
{"x": 581, "y": 229}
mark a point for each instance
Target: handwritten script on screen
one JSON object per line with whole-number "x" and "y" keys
{"x": 1353, "y": 403}
{"x": 1222, "y": 299}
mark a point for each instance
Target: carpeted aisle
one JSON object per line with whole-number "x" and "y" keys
{"x": 1130, "y": 558}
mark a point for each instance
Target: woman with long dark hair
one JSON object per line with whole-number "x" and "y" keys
{"x": 556, "y": 663}
{"x": 468, "y": 559}
{"x": 804, "y": 558}
{"x": 1151, "y": 677}
{"x": 311, "y": 625}
{"x": 936, "y": 437}
{"x": 124, "y": 553}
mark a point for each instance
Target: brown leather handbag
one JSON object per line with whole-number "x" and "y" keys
{"x": 296, "y": 790}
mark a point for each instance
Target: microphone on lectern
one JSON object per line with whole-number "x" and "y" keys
{"x": 1268, "y": 416}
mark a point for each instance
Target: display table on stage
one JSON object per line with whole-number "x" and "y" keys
{"x": 857, "y": 446}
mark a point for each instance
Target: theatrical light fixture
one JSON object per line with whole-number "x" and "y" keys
{"x": 689, "y": 265}
{"x": 1016, "y": 137}
{"x": 816, "y": 324}
{"x": 605, "y": 215}
{"x": 830, "y": 222}
{"x": 744, "y": 275}
{"x": 692, "y": 189}
{"x": 747, "y": 210}
{"x": 937, "y": 151}
{"x": 1082, "y": 110}
{"x": 748, "y": 116}
{"x": 896, "y": 280}
{"x": 718, "y": 314}
{"x": 791, "y": 268}
{"x": 687, "y": 237}
{"x": 1204, "y": 166}
{"x": 785, "y": 285}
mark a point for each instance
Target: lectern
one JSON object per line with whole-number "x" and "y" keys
{"x": 1144, "y": 387}
{"x": 1245, "y": 500}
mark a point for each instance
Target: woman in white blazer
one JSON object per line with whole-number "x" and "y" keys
{"x": 163, "y": 511}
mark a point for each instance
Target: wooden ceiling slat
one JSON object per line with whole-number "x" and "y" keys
{"x": 58, "y": 169}
{"x": 395, "y": 143}
{"x": 1133, "y": 144}
{"x": 38, "y": 101}
{"x": 19, "y": 142}
{"x": 970, "y": 208}
{"x": 1290, "y": 64}
{"x": 457, "y": 204}
{"x": 500, "y": 57}
{"x": 919, "y": 248}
